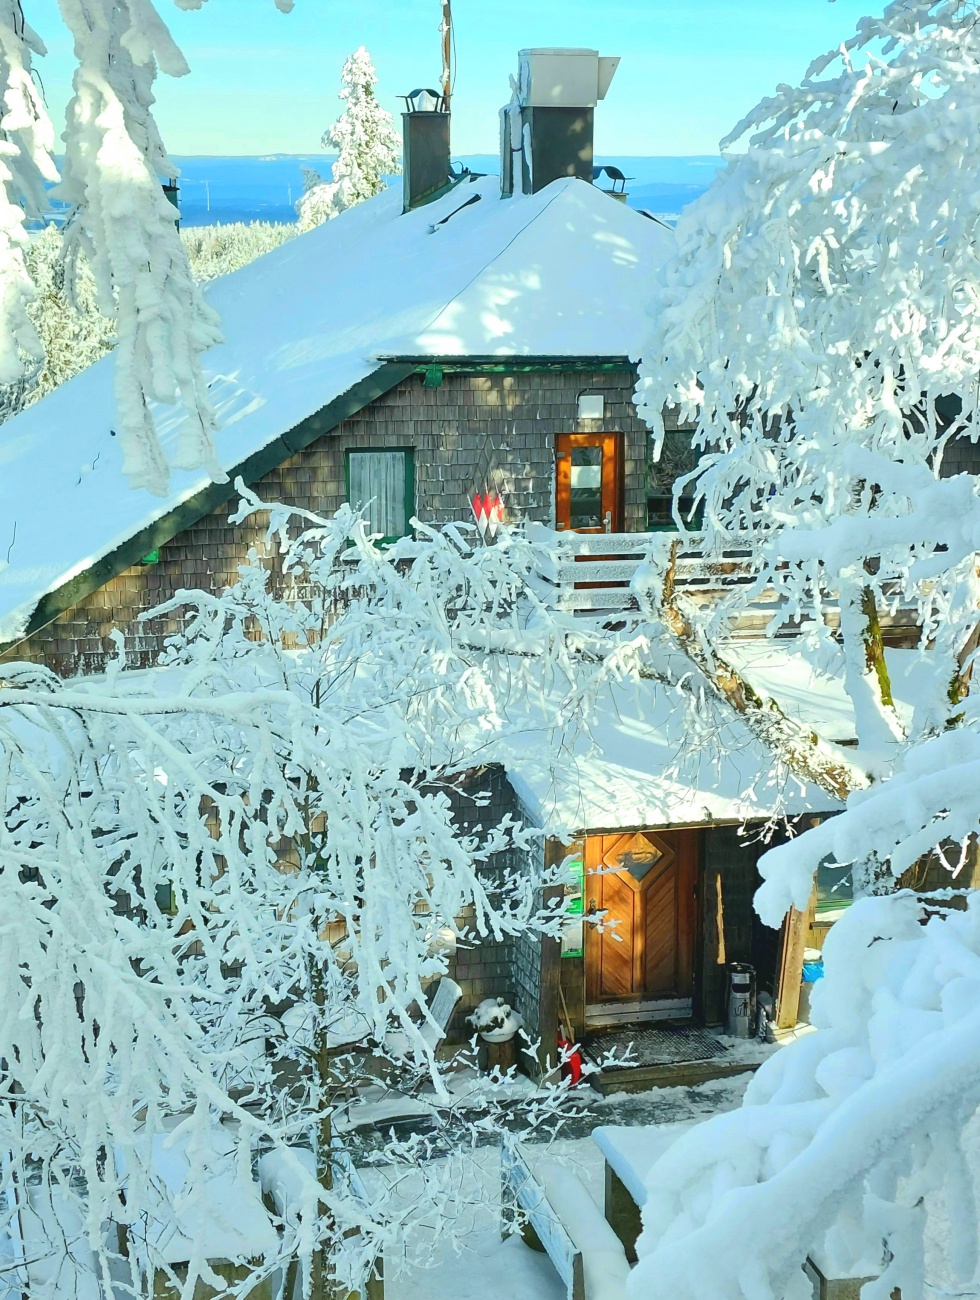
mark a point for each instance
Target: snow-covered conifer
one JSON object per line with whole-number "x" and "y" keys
{"x": 367, "y": 143}
{"x": 72, "y": 329}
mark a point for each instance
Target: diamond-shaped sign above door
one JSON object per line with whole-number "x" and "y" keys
{"x": 637, "y": 853}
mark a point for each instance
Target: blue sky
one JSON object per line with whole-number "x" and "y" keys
{"x": 266, "y": 82}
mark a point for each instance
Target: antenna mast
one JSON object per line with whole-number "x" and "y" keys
{"x": 447, "y": 47}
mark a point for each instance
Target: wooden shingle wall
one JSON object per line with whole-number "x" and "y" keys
{"x": 456, "y": 429}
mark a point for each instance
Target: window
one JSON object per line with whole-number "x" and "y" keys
{"x": 382, "y": 484}
{"x": 834, "y": 890}
{"x": 677, "y": 457}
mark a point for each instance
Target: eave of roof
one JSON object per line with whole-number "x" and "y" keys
{"x": 516, "y": 364}
{"x": 189, "y": 511}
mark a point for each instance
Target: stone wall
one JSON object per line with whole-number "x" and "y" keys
{"x": 467, "y": 426}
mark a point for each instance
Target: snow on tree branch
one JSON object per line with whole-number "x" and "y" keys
{"x": 119, "y": 218}
{"x": 216, "y": 874}
{"x": 820, "y": 324}
{"x": 114, "y": 159}
{"x": 850, "y": 1145}
{"x": 26, "y": 165}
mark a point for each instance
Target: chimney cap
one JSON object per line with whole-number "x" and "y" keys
{"x": 554, "y": 77}
{"x": 424, "y": 100}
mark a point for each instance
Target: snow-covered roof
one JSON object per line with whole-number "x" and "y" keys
{"x": 638, "y": 763}
{"x": 562, "y": 273}
{"x": 809, "y": 687}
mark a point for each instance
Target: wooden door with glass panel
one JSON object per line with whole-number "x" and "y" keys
{"x": 588, "y": 482}
{"x": 641, "y": 964}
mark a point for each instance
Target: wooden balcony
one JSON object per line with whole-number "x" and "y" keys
{"x": 589, "y": 575}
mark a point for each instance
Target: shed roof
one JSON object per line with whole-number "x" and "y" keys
{"x": 638, "y": 761}
{"x": 563, "y": 273}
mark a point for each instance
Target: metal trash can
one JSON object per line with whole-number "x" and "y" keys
{"x": 741, "y": 1000}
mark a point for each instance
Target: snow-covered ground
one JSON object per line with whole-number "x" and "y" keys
{"x": 475, "y": 1264}
{"x": 479, "y": 1265}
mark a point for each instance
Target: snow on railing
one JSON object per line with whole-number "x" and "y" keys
{"x": 592, "y": 572}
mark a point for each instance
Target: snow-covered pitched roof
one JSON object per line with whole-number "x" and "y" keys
{"x": 562, "y": 273}
{"x": 638, "y": 764}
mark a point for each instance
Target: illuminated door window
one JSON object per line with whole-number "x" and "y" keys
{"x": 585, "y": 488}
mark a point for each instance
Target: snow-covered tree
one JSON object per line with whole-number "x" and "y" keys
{"x": 367, "y": 143}
{"x": 72, "y": 329}
{"x": 821, "y": 322}
{"x": 224, "y": 247}
{"x": 251, "y": 844}
{"x": 119, "y": 218}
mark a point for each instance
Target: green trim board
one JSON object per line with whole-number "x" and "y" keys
{"x": 188, "y": 512}
{"x": 511, "y": 365}
{"x": 409, "y": 455}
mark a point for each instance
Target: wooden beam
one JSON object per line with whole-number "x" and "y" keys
{"x": 795, "y": 929}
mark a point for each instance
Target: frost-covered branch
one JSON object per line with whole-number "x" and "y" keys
{"x": 216, "y": 876}
{"x": 855, "y": 1146}
{"x": 118, "y": 217}
{"x": 819, "y": 324}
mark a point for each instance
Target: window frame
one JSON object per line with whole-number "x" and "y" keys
{"x": 409, "y": 454}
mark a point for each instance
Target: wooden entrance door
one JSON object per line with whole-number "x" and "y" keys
{"x": 641, "y": 964}
{"x": 589, "y": 482}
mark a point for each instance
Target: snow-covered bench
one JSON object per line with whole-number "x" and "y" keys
{"x": 205, "y": 1206}
{"x": 288, "y": 1180}
{"x": 560, "y": 1217}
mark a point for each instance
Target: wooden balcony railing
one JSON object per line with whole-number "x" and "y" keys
{"x": 592, "y": 572}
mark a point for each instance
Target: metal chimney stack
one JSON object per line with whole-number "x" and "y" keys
{"x": 425, "y": 148}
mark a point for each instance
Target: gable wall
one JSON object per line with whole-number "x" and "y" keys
{"x": 448, "y": 427}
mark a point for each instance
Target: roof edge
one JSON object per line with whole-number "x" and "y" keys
{"x": 510, "y": 362}
{"x": 380, "y": 381}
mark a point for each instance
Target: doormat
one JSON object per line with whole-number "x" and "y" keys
{"x": 644, "y": 1045}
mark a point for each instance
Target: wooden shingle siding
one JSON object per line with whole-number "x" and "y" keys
{"x": 448, "y": 427}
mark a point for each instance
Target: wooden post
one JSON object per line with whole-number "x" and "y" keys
{"x": 548, "y": 996}
{"x": 795, "y": 930}
{"x": 839, "y": 1288}
{"x": 622, "y": 1212}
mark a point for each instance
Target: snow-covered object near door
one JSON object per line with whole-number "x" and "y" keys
{"x": 494, "y": 1020}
